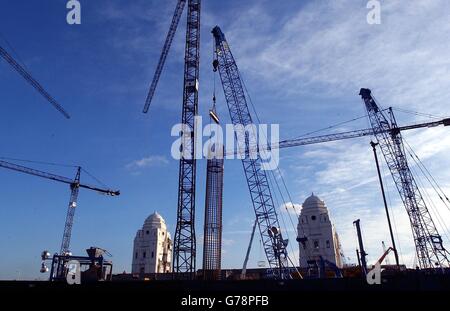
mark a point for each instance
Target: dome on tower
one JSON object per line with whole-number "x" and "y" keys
{"x": 154, "y": 219}
{"x": 313, "y": 202}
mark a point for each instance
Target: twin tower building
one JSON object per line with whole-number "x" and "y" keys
{"x": 317, "y": 237}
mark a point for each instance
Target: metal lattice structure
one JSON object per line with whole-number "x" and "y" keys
{"x": 184, "y": 240}
{"x": 165, "y": 51}
{"x": 27, "y": 76}
{"x": 257, "y": 181}
{"x": 74, "y": 190}
{"x": 355, "y": 134}
{"x": 429, "y": 248}
{"x": 212, "y": 243}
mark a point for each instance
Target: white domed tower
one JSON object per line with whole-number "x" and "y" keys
{"x": 316, "y": 233}
{"x": 152, "y": 252}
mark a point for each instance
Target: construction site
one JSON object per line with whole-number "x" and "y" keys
{"x": 319, "y": 245}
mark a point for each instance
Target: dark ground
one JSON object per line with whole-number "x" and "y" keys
{"x": 401, "y": 291}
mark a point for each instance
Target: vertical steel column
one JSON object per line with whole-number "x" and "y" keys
{"x": 385, "y": 202}
{"x": 247, "y": 255}
{"x": 362, "y": 251}
{"x": 184, "y": 240}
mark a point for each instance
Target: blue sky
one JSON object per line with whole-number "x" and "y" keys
{"x": 304, "y": 63}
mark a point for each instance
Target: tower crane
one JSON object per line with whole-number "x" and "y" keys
{"x": 184, "y": 241}
{"x": 27, "y": 76}
{"x": 257, "y": 181}
{"x": 429, "y": 247}
{"x": 75, "y": 186}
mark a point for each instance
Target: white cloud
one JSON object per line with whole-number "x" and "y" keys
{"x": 329, "y": 45}
{"x": 228, "y": 242}
{"x": 146, "y": 162}
{"x": 291, "y": 208}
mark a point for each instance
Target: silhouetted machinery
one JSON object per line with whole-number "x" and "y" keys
{"x": 68, "y": 268}
{"x": 319, "y": 268}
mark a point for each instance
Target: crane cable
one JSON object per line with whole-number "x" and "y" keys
{"x": 259, "y": 121}
{"x": 281, "y": 214}
{"x": 14, "y": 52}
{"x": 437, "y": 188}
{"x": 431, "y": 116}
{"x": 285, "y": 202}
{"x": 38, "y": 162}
{"x": 271, "y": 171}
{"x": 94, "y": 178}
{"x": 330, "y": 127}
{"x": 277, "y": 169}
{"x": 428, "y": 197}
{"x": 432, "y": 206}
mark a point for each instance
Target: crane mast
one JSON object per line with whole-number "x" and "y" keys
{"x": 184, "y": 251}
{"x": 67, "y": 234}
{"x": 184, "y": 240}
{"x": 257, "y": 181}
{"x": 429, "y": 247}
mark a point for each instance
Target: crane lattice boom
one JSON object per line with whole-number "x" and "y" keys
{"x": 185, "y": 240}
{"x": 303, "y": 141}
{"x": 6, "y": 56}
{"x": 66, "y": 180}
{"x": 165, "y": 51}
{"x": 429, "y": 248}
{"x": 257, "y": 181}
